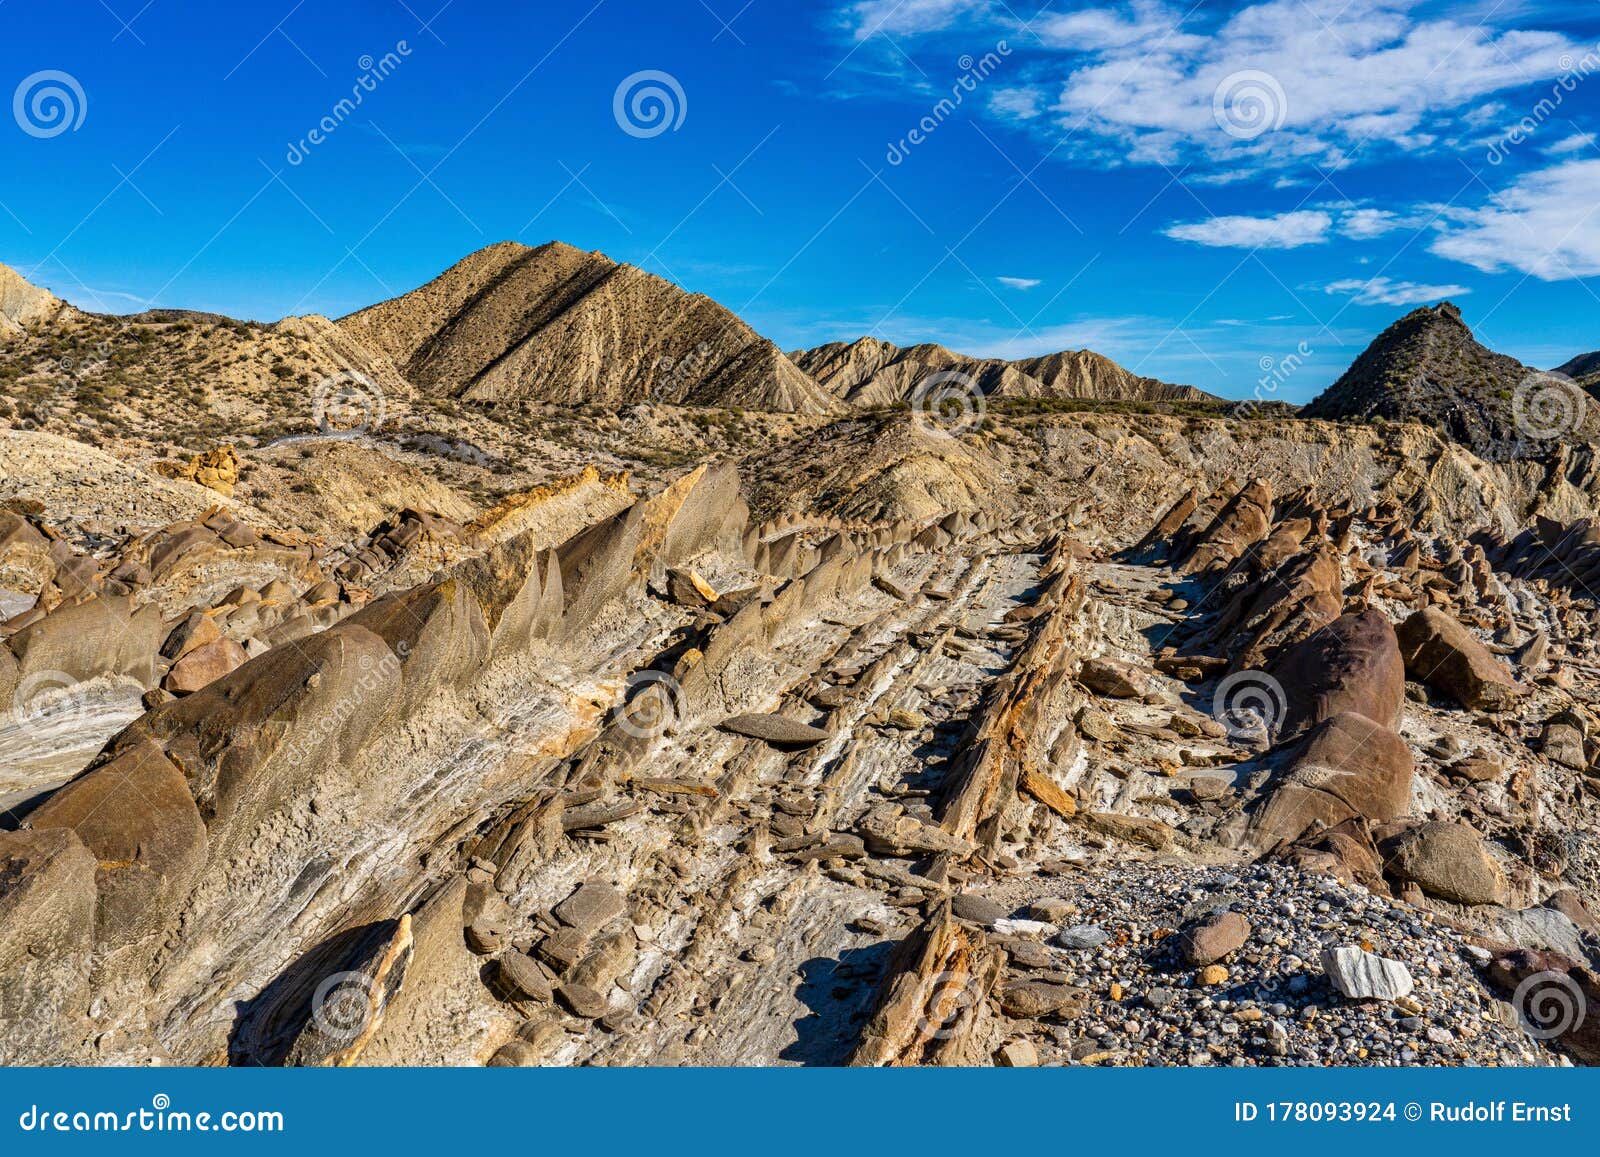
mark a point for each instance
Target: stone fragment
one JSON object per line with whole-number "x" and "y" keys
{"x": 583, "y": 1000}
{"x": 1480, "y": 768}
{"x": 886, "y": 832}
{"x": 519, "y": 978}
{"x": 1096, "y": 724}
{"x": 1361, "y": 975}
{"x": 195, "y": 631}
{"x": 591, "y": 906}
{"x": 514, "y": 1054}
{"x": 842, "y": 846}
{"x": 1441, "y": 652}
{"x": 1563, "y": 742}
{"x": 778, "y": 730}
{"x": 486, "y": 935}
{"x": 978, "y": 909}
{"x": 1052, "y": 910}
{"x": 1113, "y": 679}
{"x": 562, "y": 948}
{"x": 204, "y": 665}
{"x": 1214, "y": 937}
{"x": 686, "y": 588}
{"x": 1081, "y": 937}
{"x": 1017, "y": 1054}
{"x": 1038, "y": 998}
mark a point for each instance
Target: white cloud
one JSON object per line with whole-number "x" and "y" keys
{"x": 1364, "y": 223}
{"x": 1285, "y": 231}
{"x": 1100, "y": 29}
{"x": 866, "y": 18}
{"x": 1164, "y": 81}
{"x": 1020, "y": 282}
{"x": 1383, "y": 291}
{"x": 1577, "y": 142}
{"x": 1023, "y": 104}
{"x": 1301, "y": 227}
{"x": 1547, "y": 225}
{"x": 1115, "y": 337}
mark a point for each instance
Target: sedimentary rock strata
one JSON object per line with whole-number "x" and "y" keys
{"x": 1063, "y": 739}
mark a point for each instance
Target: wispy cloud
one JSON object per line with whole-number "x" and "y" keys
{"x": 1320, "y": 223}
{"x": 1576, "y": 143}
{"x": 1265, "y": 87}
{"x": 1383, "y": 291}
{"x": 1362, "y": 224}
{"x": 1547, "y": 225}
{"x": 1021, "y": 104}
{"x": 866, "y": 18}
{"x": 1284, "y": 231}
{"x": 1020, "y": 282}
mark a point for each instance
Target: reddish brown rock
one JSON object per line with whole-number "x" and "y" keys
{"x": 1553, "y": 997}
{"x": 1349, "y": 768}
{"x": 1442, "y": 653}
{"x": 1243, "y": 522}
{"x": 203, "y": 665}
{"x": 1209, "y": 940}
{"x": 1351, "y": 665}
{"x": 191, "y": 634}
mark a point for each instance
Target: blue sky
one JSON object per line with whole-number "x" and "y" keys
{"x": 1206, "y": 193}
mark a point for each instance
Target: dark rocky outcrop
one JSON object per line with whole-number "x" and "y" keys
{"x": 1427, "y": 367}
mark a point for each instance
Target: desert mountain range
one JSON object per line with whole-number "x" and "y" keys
{"x": 543, "y": 668}
{"x": 556, "y": 324}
